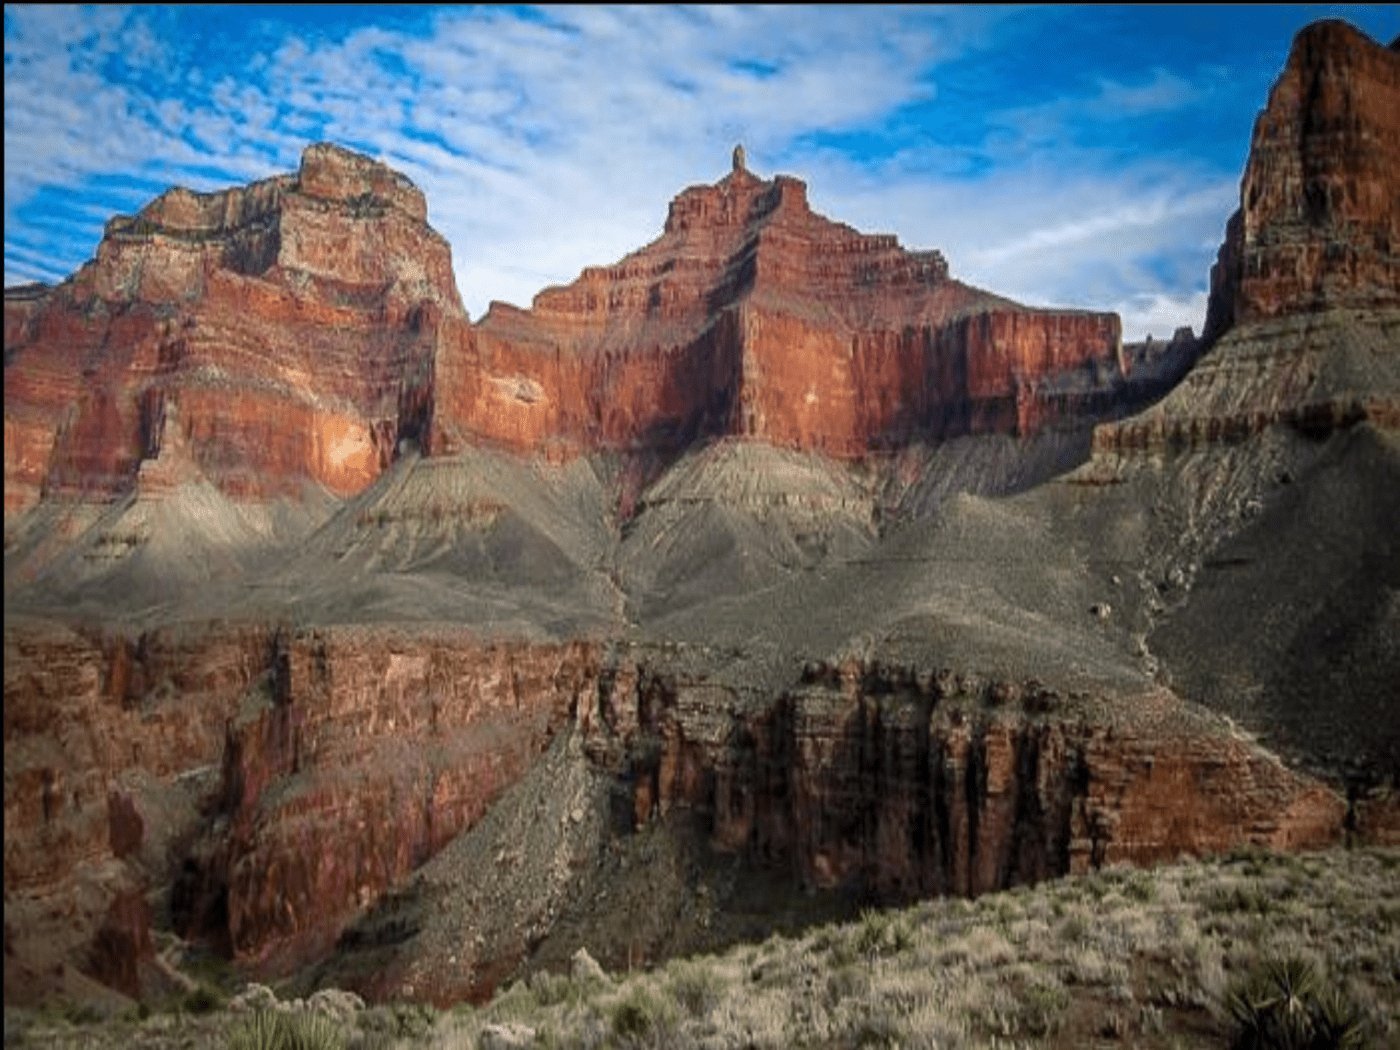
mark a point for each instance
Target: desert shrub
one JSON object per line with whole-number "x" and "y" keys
{"x": 516, "y": 1003}
{"x": 643, "y": 1017}
{"x": 879, "y": 1029}
{"x": 1285, "y": 1004}
{"x": 395, "y": 1021}
{"x": 697, "y": 987}
{"x": 881, "y": 933}
{"x": 203, "y": 999}
{"x": 1140, "y": 887}
{"x": 846, "y": 983}
{"x": 1074, "y": 928}
{"x": 1242, "y": 898}
{"x": 80, "y": 1013}
{"x": 1041, "y": 1007}
{"x": 278, "y": 1030}
{"x": 551, "y": 988}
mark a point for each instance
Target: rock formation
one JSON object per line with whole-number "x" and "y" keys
{"x": 1319, "y": 219}
{"x": 751, "y": 315}
{"x": 264, "y": 338}
{"x": 299, "y": 330}
{"x": 1304, "y": 310}
{"x": 281, "y": 783}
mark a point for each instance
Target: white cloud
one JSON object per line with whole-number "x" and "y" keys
{"x": 1160, "y": 314}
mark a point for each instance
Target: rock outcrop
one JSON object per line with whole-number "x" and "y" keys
{"x": 862, "y": 782}
{"x": 1319, "y": 218}
{"x": 1303, "y": 321}
{"x": 753, "y": 316}
{"x": 401, "y": 740}
{"x": 259, "y": 787}
{"x": 908, "y": 781}
{"x": 263, "y": 788}
{"x": 112, "y": 748}
{"x": 264, "y": 338}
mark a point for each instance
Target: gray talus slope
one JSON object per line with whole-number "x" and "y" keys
{"x": 1292, "y": 623}
{"x": 980, "y": 585}
{"x": 735, "y": 517}
{"x": 148, "y": 555}
{"x": 1270, "y": 562}
{"x": 1312, "y": 370}
{"x": 478, "y": 538}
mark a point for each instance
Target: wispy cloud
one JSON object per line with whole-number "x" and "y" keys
{"x": 551, "y": 139}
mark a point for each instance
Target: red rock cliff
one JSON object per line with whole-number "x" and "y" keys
{"x": 909, "y": 782}
{"x": 297, "y": 329}
{"x": 266, "y": 337}
{"x": 1304, "y": 314}
{"x": 271, "y": 785}
{"x": 752, "y": 315}
{"x": 1319, "y": 218}
{"x": 368, "y": 752}
{"x": 262, "y": 785}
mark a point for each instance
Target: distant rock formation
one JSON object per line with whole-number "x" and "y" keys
{"x": 299, "y": 329}
{"x": 262, "y": 337}
{"x": 1303, "y": 324}
{"x": 753, "y": 316}
{"x": 1319, "y": 218}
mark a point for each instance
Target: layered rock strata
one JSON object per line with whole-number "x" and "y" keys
{"x": 265, "y": 338}
{"x": 753, "y": 316}
{"x": 906, "y": 781}
{"x": 863, "y": 782}
{"x": 296, "y": 330}
{"x": 1303, "y": 321}
{"x": 259, "y": 787}
{"x": 1319, "y": 219}
{"x": 263, "y": 787}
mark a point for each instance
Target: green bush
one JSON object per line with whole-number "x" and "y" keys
{"x": 643, "y": 1017}
{"x": 1285, "y": 1005}
{"x": 881, "y": 933}
{"x": 276, "y": 1030}
{"x": 203, "y": 999}
{"x": 697, "y": 987}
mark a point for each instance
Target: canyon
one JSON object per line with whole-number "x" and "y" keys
{"x": 360, "y": 643}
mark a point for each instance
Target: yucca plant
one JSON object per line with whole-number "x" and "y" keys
{"x": 277, "y": 1030}
{"x": 1285, "y": 1005}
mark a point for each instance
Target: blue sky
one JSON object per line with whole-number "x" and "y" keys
{"x": 1083, "y": 157}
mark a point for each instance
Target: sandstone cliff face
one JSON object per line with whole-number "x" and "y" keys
{"x": 862, "y": 782}
{"x": 1319, "y": 218}
{"x": 299, "y": 329}
{"x": 905, "y": 782}
{"x": 371, "y": 750}
{"x": 1304, "y": 315}
{"x": 264, "y": 338}
{"x": 254, "y": 786}
{"x": 751, "y": 315}
{"x": 265, "y": 787}
{"x": 112, "y": 746}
